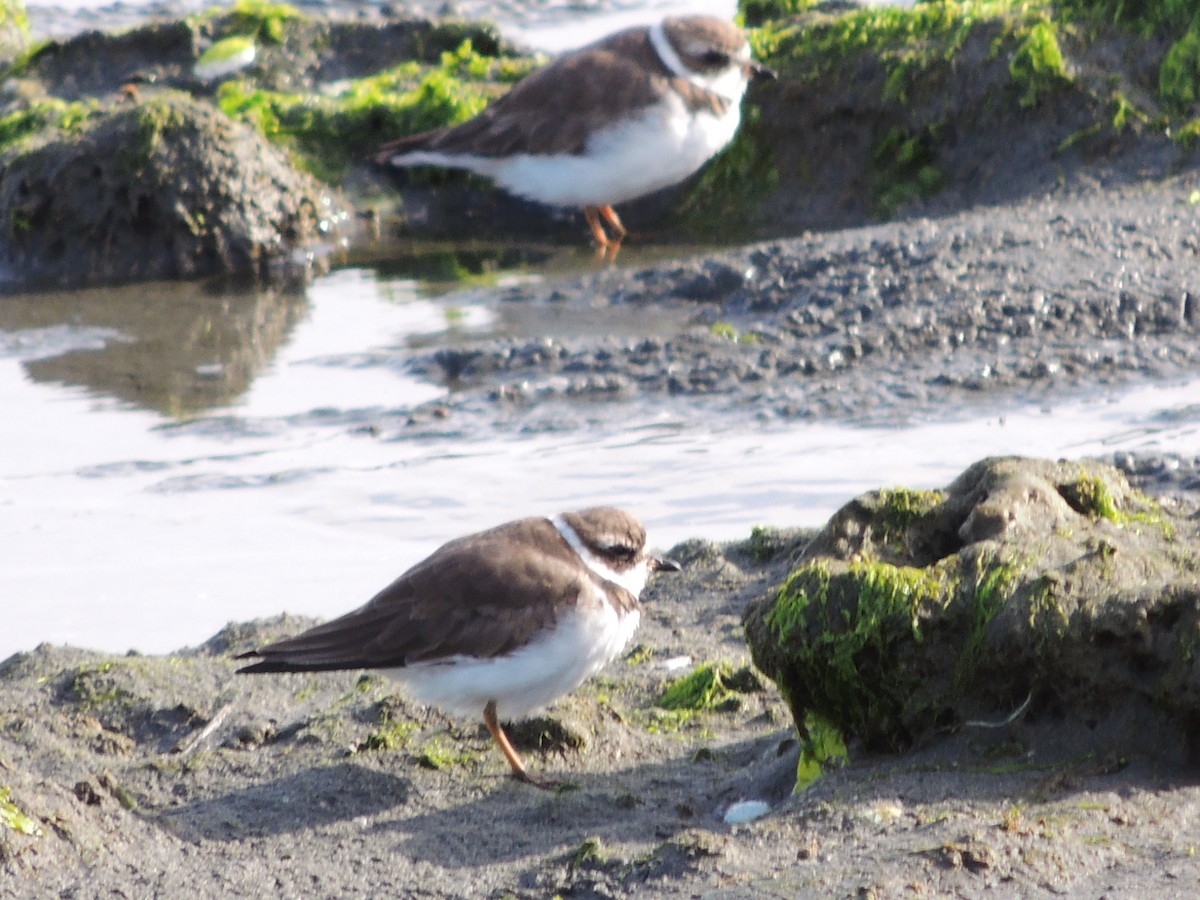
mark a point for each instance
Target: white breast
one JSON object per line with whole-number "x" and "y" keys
{"x": 536, "y": 675}
{"x": 659, "y": 148}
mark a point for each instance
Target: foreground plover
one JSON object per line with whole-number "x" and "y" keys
{"x": 633, "y": 113}
{"x": 498, "y": 623}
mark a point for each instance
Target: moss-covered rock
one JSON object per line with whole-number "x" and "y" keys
{"x": 883, "y": 110}
{"x": 163, "y": 187}
{"x": 189, "y": 148}
{"x": 912, "y": 612}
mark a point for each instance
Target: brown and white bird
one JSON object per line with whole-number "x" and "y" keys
{"x": 498, "y": 623}
{"x": 635, "y": 112}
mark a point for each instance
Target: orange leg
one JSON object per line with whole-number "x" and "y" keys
{"x": 614, "y": 222}
{"x": 518, "y": 766}
{"x": 607, "y": 248}
{"x": 592, "y": 215}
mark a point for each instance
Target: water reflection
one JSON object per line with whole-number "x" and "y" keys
{"x": 175, "y": 348}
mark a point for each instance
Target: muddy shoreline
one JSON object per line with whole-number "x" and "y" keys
{"x": 157, "y": 775}
{"x": 145, "y": 776}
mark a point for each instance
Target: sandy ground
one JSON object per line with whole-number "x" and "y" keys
{"x": 139, "y": 776}
{"x": 144, "y": 776}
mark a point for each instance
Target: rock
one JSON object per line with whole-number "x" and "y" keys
{"x": 163, "y": 187}
{"x": 914, "y": 612}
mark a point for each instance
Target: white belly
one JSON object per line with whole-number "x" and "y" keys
{"x": 529, "y": 679}
{"x": 659, "y": 149}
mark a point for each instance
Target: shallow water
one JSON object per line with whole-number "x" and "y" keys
{"x": 175, "y": 459}
{"x": 547, "y": 25}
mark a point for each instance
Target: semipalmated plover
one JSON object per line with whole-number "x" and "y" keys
{"x": 500, "y": 623}
{"x": 631, "y": 114}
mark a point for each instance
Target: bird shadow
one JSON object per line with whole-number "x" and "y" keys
{"x": 644, "y": 803}
{"x": 307, "y": 800}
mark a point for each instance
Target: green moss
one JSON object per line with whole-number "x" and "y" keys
{"x": 13, "y": 818}
{"x": 1089, "y": 495}
{"x": 994, "y": 585}
{"x": 727, "y": 332}
{"x": 1179, "y": 74}
{"x": 906, "y": 40}
{"x": 906, "y": 168}
{"x": 822, "y": 746}
{"x": 901, "y": 508}
{"x": 436, "y": 755}
{"x": 706, "y": 688}
{"x": 331, "y": 133}
{"x": 95, "y": 685}
{"x": 845, "y": 633}
{"x": 1126, "y": 113}
{"x": 1037, "y": 66}
{"x": 1047, "y": 618}
{"x": 765, "y": 543}
{"x": 262, "y": 19}
{"x": 907, "y": 54}
{"x": 390, "y": 735}
{"x": 155, "y": 118}
{"x": 639, "y": 655}
{"x": 1188, "y": 135}
{"x": 14, "y": 15}
{"x": 756, "y": 12}
{"x": 41, "y": 116}
{"x": 1144, "y": 16}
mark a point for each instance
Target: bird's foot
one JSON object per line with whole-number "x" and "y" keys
{"x": 607, "y": 247}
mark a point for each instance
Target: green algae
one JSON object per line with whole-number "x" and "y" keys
{"x": 44, "y": 116}
{"x": 757, "y": 12}
{"x": 901, "y": 508}
{"x": 995, "y": 583}
{"x": 259, "y": 19}
{"x": 14, "y": 12}
{"x": 712, "y": 686}
{"x": 331, "y": 132}
{"x": 905, "y": 168}
{"x": 590, "y": 851}
{"x": 96, "y": 685}
{"x": 701, "y": 689}
{"x": 727, "y": 332}
{"x": 846, "y": 631}
{"x": 437, "y": 755}
{"x": 1037, "y": 66}
{"x": 822, "y": 747}
{"x": 900, "y": 63}
{"x": 1179, "y": 74}
{"x": 1091, "y": 495}
{"x": 767, "y": 542}
{"x": 851, "y": 632}
{"x": 1143, "y": 16}
{"x": 14, "y": 34}
{"x": 392, "y": 734}
{"x": 916, "y": 48}
{"x": 12, "y": 817}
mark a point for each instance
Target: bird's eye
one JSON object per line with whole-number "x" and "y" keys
{"x": 714, "y": 58}
{"x": 621, "y": 551}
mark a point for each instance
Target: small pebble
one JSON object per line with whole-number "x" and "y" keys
{"x": 746, "y": 811}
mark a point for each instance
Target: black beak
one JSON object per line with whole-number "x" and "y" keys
{"x": 665, "y": 565}
{"x": 759, "y": 72}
